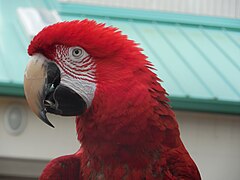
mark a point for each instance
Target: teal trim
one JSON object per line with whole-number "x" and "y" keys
{"x": 68, "y": 8}
{"x": 11, "y": 89}
{"x": 202, "y": 105}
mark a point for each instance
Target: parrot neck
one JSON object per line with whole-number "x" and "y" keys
{"x": 130, "y": 133}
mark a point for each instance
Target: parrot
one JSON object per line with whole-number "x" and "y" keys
{"x": 124, "y": 122}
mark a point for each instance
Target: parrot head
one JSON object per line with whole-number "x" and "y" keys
{"x": 74, "y": 64}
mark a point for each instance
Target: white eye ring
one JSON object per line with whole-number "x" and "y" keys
{"x": 77, "y": 52}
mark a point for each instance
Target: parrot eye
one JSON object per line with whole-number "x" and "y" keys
{"x": 77, "y": 53}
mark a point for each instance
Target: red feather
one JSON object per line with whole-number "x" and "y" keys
{"x": 129, "y": 132}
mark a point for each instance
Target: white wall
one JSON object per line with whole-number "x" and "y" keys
{"x": 38, "y": 141}
{"x": 222, "y": 8}
{"x": 213, "y": 140}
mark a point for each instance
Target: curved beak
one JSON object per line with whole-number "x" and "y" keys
{"x": 44, "y": 92}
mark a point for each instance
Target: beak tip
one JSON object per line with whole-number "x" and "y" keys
{"x": 44, "y": 118}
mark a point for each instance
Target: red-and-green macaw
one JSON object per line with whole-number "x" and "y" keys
{"x": 124, "y": 123}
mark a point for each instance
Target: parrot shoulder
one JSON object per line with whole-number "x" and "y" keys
{"x": 177, "y": 164}
{"x": 63, "y": 167}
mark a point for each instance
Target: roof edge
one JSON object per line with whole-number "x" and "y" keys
{"x": 205, "y": 105}
{"x": 178, "y": 103}
{"x": 147, "y": 15}
{"x": 11, "y": 89}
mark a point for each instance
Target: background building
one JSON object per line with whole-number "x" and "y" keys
{"x": 195, "y": 46}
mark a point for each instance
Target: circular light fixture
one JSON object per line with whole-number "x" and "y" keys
{"x": 15, "y": 119}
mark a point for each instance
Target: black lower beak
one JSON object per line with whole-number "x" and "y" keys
{"x": 64, "y": 101}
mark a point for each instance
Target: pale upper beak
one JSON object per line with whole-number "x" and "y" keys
{"x": 44, "y": 92}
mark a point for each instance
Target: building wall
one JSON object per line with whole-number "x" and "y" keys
{"x": 212, "y": 140}
{"x": 37, "y": 141}
{"x": 222, "y": 8}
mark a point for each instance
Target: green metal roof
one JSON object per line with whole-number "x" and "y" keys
{"x": 197, "y": 57}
